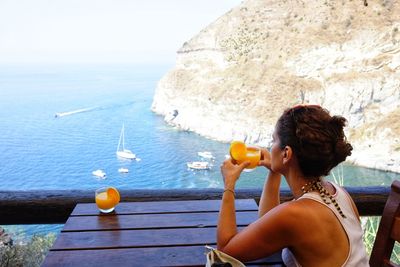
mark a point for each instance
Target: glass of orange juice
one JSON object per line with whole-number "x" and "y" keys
{"x": 107, "y": 198}
{"x": 240, "y": 152}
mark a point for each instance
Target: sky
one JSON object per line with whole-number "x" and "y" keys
{"x": 102, "y": 31}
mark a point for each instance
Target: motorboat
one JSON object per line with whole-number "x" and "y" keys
{"x": 199, "y": 165}
{"x": 123, "y": 170}
{"x": 122, "y": 152}
{"x": 206, "y": 154}
{"x": 99, "y": 173}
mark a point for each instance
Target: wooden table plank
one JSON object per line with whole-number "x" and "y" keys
{"x": 160, "y": 256}
{"x": 164, "y": 207}
{"x": 145, "y": 221}
{"x": 136, "y": 238}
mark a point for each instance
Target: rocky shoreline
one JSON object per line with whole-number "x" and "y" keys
{"x": 363, "y": 155}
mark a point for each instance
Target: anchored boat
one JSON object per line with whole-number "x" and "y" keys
{"x": 123, "y": 170}
{"x": 122, "y": 152}
{"x": 199, "y": 165}
{"x": 99, "y": 173}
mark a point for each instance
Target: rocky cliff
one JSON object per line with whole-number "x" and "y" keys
{"x": 233, "y": 79}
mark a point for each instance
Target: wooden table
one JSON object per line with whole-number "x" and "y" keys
{"x": 168, "y": 233}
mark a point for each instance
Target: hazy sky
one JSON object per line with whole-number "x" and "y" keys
{"x": 47, "y": 31}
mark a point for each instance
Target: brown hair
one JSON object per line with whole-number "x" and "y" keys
{"x": 316, "y": 137}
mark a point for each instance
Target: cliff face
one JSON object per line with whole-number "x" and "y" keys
{"x": 235, "y": 77}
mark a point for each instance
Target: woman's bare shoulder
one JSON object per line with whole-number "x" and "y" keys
{"x": 293, "y": 208}
{"x": 288, "y": 215}
{"x": 294, "y": 215}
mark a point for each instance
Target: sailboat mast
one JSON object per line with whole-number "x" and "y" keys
{"x": 120, "y": 138}
{"x": 123, "y": 137}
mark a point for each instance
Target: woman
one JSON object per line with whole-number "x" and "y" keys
{"x": 321, "y": 226}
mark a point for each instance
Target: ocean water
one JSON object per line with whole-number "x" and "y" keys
{"x": 39, "y": 151}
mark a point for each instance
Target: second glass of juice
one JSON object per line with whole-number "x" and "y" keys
{"x": 106, "y": 199}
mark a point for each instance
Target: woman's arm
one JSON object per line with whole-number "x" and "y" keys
{"x": 263, "y": 237}
{"x": 227, "y": 228}
{"x": 270, "y": 196}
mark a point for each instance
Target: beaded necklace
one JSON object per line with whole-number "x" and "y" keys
{"x": 316, "y": 185}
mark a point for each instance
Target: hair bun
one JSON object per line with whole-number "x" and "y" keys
{"x": 338, "y": 121}
{"x": 341, "y": 146}
{"x": 342, "y": 150}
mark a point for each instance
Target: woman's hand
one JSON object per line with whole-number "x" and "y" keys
{"x": 231, "y": 172}
{"x": 265, "y": 158}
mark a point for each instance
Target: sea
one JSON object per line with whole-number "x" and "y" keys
{"x": 42, "y": 151}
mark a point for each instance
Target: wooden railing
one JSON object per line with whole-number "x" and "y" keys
{"x": 42, "y": 207}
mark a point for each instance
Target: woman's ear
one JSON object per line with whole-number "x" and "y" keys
{"x": 287, "y": 154}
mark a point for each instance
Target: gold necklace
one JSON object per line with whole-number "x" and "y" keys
{"x": 316, "y": 185}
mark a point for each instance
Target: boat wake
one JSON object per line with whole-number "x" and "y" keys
{"x": 63, "y": 114}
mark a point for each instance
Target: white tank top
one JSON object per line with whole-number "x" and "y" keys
{"x": 357, "y": 256}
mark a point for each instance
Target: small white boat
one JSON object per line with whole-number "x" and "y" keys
{"x": 99, "y": 173}
{"x": 199, "y": 165}
{"x": 206, "y": 154}
{"x": 123, "y": 170}
{"x": 121, "y": 150}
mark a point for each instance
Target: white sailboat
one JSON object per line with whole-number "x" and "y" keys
{"x": 121, "y": 150}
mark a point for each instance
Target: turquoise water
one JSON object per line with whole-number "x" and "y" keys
{"x": 39, "y": 151}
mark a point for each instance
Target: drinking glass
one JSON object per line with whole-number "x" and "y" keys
{"x": 106, "y": 199}
{"x": 253, "y": 154}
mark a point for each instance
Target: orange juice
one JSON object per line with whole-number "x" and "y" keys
{"x": 253, "y": 155}
{"x": 107, "y": 198}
